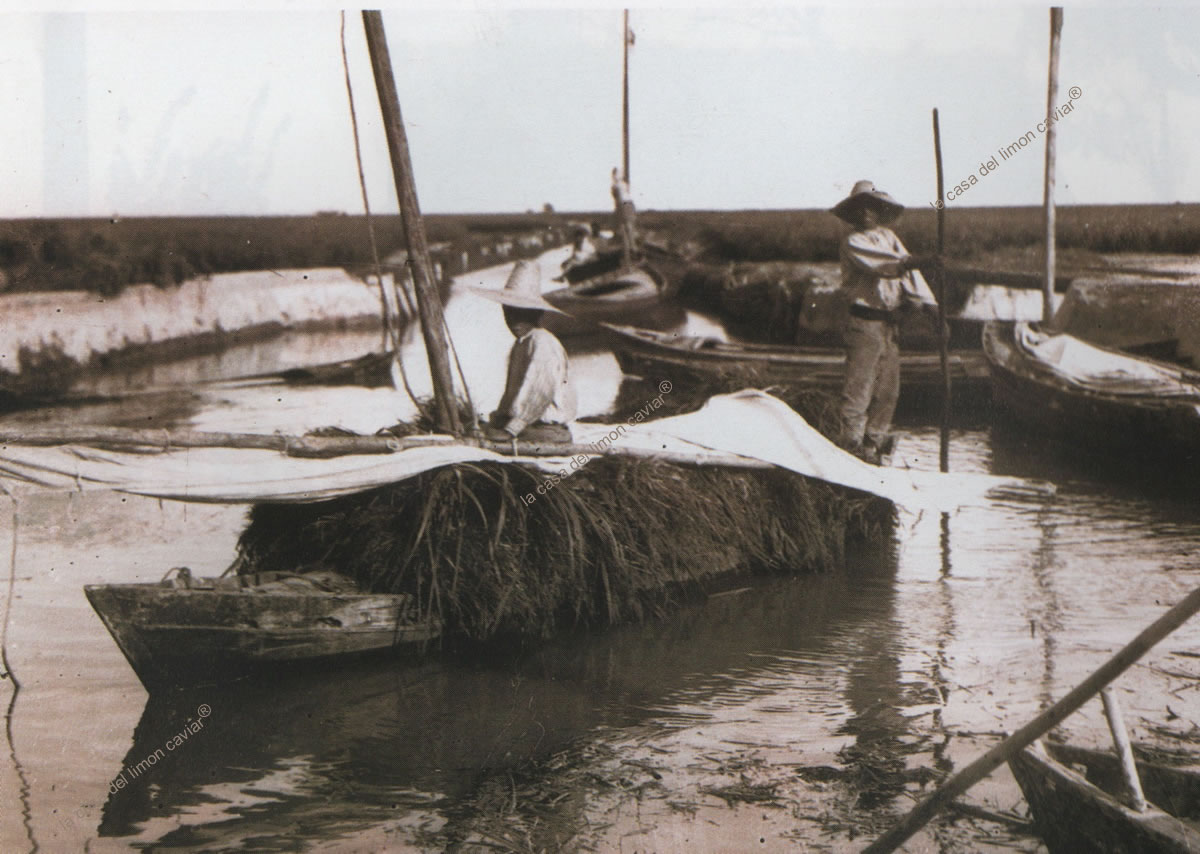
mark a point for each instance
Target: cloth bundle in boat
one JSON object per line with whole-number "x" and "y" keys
{"x": 746, "y": 428}
{"x": 1100, "y": 369}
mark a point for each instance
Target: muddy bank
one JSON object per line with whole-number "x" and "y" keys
{"x": 50, "y": 338}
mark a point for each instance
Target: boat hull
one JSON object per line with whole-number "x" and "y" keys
{"x": 178, "y": 635}
{"x": 1074, "y": 814}
{"x": 646, "y": 353}
{"x": 1029, "y": 395}
{"x": 603, "y": 292}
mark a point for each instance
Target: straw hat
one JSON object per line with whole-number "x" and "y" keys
{"x": 864, "y": 193}
{"x": 522, "y": 290}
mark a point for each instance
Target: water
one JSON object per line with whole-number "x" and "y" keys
{"x": 797, "y": 714}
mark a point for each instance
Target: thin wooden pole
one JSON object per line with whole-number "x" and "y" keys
{"x": 97, "y": 435}
{"x": 1056, "y": 19}
{"x": 625, "y": 104}
{"x": 1039, "y": 726}
{"x": 433, "y": 324}
{"x": 943, "y": 329}
{"x": 1116, "y": 726}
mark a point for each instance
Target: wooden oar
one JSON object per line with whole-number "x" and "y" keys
{"x": 1039, "y": 726}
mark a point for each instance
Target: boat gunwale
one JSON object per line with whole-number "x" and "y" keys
{"x": 1004, "y": 355}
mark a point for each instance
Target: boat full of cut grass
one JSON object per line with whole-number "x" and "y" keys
{"x": 620, "y": 540}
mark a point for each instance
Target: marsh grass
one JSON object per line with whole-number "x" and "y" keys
{"x": 971, "y": 233}
{"x": 107, "y": 254}
{"x": 616, "y": 541}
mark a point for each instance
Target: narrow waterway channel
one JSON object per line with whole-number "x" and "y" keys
{"x": 795, "y": 714}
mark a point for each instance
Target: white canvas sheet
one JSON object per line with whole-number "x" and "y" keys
{"x": 1092, "y": 367}
{"x": 728, "y": 430}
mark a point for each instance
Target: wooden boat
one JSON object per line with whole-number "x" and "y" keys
{"x": 1147, "y": 418}
{"x": 648, "y": 353}
{"x": 602, "y": 292}
{"x": 189, "y": 630}
{"x": 1078, "y": 810}
{"x": 613, "y": 296}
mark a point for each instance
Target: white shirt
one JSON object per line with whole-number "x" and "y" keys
{"x": 872, "y": 273}
{"x": 538, "y": 387}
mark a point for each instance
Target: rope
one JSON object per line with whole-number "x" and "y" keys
{"x": 12, "y": 583}
{"x": 391, "y": 332}
{"x": 461, "y": 376}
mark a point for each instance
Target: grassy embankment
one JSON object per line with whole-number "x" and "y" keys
{"x": 757, "y": 267}
{"x": 106, "y": 255}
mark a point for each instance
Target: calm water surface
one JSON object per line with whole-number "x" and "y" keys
{"x": 838, "y": 695}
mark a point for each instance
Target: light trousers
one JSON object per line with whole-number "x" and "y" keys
{"x": 872, "y": 384}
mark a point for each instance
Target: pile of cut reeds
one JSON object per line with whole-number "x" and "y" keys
{"x": 618, "y": 540}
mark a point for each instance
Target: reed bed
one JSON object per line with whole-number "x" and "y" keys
{"x": 617, "y": 541}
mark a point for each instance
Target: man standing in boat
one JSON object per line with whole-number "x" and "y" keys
{"x": 879, "y": 276}
{"x": 626, "y": 216}
{"x": 539, "y": 399}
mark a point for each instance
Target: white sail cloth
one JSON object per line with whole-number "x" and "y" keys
{"x": 744, "y": 428}
{"x": 1099, "y": 369}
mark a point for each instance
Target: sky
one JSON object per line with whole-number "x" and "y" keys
{"x": 509, "y": 107}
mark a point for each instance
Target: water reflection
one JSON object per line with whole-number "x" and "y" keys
{"x": 876, "y": 668}
{"x": 388, "y": 742}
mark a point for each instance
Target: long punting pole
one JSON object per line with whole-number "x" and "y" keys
{"x": 1039, "y": 726}
{"x": 943, "y": 329}
{"x": 625, "y": 103}
{"x": 1056, "y": 19}
{"x": 433, "y": 325}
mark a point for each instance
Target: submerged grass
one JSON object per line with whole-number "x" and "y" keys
{"x": 617, "y": 541}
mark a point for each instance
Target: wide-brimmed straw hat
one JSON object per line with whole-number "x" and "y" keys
{"x": 865, "y": 194}
{"x": 522, "y": 290}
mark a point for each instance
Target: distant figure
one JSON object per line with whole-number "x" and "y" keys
{"x": 538, "y": 400}
{"x": 583, "y": 250}
{"x": 878, "y": 277}
{"x": 626, "y": 217}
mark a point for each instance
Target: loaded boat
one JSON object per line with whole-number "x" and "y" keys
{"x": 1064, "y": 386}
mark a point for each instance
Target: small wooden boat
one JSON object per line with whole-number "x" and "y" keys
{"x": 1141, "y": 405}
{"x": 645, "y": 352}
{"x": 614, "y": 296}
{"x": 187, "y": 630}
{"x": 602, "y": 291}
{"x": 1080, "y": 810}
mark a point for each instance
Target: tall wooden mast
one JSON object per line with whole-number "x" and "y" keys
{"x": 1056, "y": 20}
{"x": 433, "y": 326}
{"x": 625, "y": 103}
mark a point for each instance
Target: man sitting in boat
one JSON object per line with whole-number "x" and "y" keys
{"x": 583, "y": 250}
{"x": 539, "y": 399}
{"x": 878, "y": 277}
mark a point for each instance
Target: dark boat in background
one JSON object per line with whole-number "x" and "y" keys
{"x": 646, "y": 352}
{"x": 1071, "y": 792}
{"x": 1141, "y": 405}
{"x": 187, "y": 630}
{"x": 601, "y": 291}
